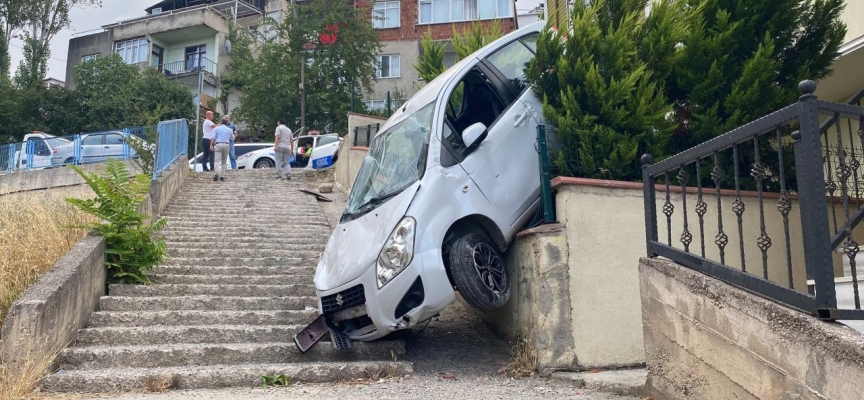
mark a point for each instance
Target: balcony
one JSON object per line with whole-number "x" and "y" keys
{"x": 181, "y": 69}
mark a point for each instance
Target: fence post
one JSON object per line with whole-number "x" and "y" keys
{"x": 31, "y": 148}
{"x": 10, "y": 165}
{"x": 389, "y": 107}
{"x": 368, "y": 134}
{"x": 545, "y": 176}
{"x": 356, "y": 132}
{"x": 648, "y": 193}
{"x": 812, "y": 196}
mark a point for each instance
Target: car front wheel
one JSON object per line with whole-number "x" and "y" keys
{"x": 479, "y": 272}
{"x": 264, "y": 163}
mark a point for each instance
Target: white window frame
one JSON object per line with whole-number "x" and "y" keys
{"x": 386, "y": 23}
{"x": 90, "y": 57}
{"x": 430, "y": 20}
{"x": 390, "y": 57}
{"x": 133, "y": 51}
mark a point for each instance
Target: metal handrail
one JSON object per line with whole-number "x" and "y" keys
{"x": 185, "y": 67}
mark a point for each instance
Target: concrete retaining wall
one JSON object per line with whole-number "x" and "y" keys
{"x": 708, "y": 340}
{"x": 585, "y": 266}
{"x": 22, "y": 181}
{"x": 350, "y": 156}
{"x": 168, "y": 184}
{"x": 49, "y": 314}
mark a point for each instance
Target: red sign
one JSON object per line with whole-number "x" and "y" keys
{"x": 329, "y": 35}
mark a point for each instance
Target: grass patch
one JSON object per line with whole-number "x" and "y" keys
{"x": 34, "y": 233}
{"x": 523, "y": 361}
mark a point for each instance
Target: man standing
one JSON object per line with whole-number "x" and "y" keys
{"x": 221, "y": 146}
{"x": 207, "y": 142}
{"x": 284, "y": 147}
{"x": 231, "y": 154}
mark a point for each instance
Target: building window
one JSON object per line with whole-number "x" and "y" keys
{"x": 268, "y": 28}
{"x": 443, "y": 11}
{"x": 385, "y": 14}
{"x": 195, "y": 57}
{"x": 89, "y": 57}
{"x": 132, "y": 51}
{"x": 388, "y": 66}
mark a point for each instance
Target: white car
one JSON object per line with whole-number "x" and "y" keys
{"x": 249, "y": 155}
{"x": 45, "y": 149}
{"x": 448, "y": 181}
{"x": 95, "y": 147}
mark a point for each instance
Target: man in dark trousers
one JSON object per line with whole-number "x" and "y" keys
{"x": 206, "y": 143}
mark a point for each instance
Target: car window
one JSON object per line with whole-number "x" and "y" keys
{"x": 40, "y": 148}
{"x": 474, "y": 100}
{"x": 531, "y": 41}
{"x": 113, "y": 139}
{"x": 92, "y": 140}
{"x": 327, "y": 140}
{"x": 512, "y": 61}
{"x": 306, "y": 142}
{"x": 241, "y": 150}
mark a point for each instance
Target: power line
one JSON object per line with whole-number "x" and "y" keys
{"x": 54, "y": 58}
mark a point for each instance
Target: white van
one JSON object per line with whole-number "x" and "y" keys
{"x": 448, "y": 181}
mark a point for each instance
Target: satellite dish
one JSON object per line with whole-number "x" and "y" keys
{"x": 228, "y": 46}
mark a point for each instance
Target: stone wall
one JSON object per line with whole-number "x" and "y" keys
{"x": 168, "y": 183}
{"x": 22, "y": 181}
{"x": 351, "y": 157}
{"x": 705, "y": 339}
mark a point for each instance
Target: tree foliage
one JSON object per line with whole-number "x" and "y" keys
{"x": 109, "y": 94}
{"x": 464, "y": 42}
{"x": 131, "y": 246}
{"x": 269, "y": 73}
{"x": 43, "y": 20}
{"x": 600, "y": 88}
{"x": 621, "y": 83}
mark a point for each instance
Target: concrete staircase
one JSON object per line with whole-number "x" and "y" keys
{"x": 226, "y": 306}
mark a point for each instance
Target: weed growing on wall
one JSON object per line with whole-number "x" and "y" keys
{"x": 132, "y": 248}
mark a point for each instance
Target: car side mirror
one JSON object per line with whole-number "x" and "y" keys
{"x": 473, "y": 135}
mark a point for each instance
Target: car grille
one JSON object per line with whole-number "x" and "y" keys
{"x": 345, "y": 299}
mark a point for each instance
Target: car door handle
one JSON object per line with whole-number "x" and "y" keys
{"x": 521, "y": 119}
{"x": 107, "y": 147}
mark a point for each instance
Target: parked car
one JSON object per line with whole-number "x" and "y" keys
{"x": 447, "y": 183}
{"x": 95, "y": 147}
{"x": 324, "y": 154}
{"x": 249, "y": 155}
{"x": 45, "y": 148}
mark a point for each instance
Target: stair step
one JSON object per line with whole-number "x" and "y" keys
{"x": 169, "y": 335}
{"x": 231, "y": 279}
{"x": 300, "y": 269}
{"x": 269, "y": 247}
{"x": 231, "y": 261}
{"x": 216, "y": 377}
{"x": 245, "y": 241}
{"x": 182, "y": 318}
{"x": 177, "y": 355}
{"x": 206, "y": 303}
{"x": 240, "y": 231}
{"x": 179, "y": 290}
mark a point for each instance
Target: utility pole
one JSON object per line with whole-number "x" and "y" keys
{"x": 302, "y": 71}
{"x": 198, "y": 117}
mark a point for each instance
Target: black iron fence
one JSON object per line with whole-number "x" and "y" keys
{"x": 763, "y": 207}
{"x": 363, "y": 134}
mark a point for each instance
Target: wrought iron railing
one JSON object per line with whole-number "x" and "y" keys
{"x": 7, "y": 158}
{"x": 191, "y": 66}
{"x": 763, "y": 207}
{"x": 363, "y": 134}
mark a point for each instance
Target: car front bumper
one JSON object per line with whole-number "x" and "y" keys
{"x": 368, "y": 313}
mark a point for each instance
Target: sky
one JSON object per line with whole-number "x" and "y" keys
{"x": 85, "y": 19}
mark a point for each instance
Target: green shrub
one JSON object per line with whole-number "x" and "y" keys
{"x": 129, "y": 235}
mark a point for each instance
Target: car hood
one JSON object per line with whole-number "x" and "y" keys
{"x": 354, "y": 245}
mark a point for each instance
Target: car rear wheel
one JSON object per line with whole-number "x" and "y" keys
{"x": 70, "y": 160}
{"x": 264, "y": 163}
{"x": 479, "y": 272}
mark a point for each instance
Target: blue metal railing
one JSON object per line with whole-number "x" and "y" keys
{"x": 7, "y": 158}
{"x": 172, "y": 143}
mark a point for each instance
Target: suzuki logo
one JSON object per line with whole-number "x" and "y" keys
{"x": 339, "y": 300}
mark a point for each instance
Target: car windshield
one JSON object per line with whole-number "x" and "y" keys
{"x": 57, "y": 142}
{"x": 396, "y": 159}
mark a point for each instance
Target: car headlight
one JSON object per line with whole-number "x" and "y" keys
{"x": 397, "y": 252}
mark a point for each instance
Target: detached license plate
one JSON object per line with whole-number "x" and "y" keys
{"x": 311, "y": 334}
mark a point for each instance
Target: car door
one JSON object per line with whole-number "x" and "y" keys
{"x": 37, "y": 154}
{"x": 505, "y": 166}
{"x": 324, "y": 152}
{"x": 114, "y": 146}
{"x": 92, "y": 148}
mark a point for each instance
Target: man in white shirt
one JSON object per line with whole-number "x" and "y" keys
{"x": 207, "y": 145}
{"x": 284, "y": 148}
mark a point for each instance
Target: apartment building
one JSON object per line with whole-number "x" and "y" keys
{"x": 184, "y": 39}
{"x": 401, "y": 24}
